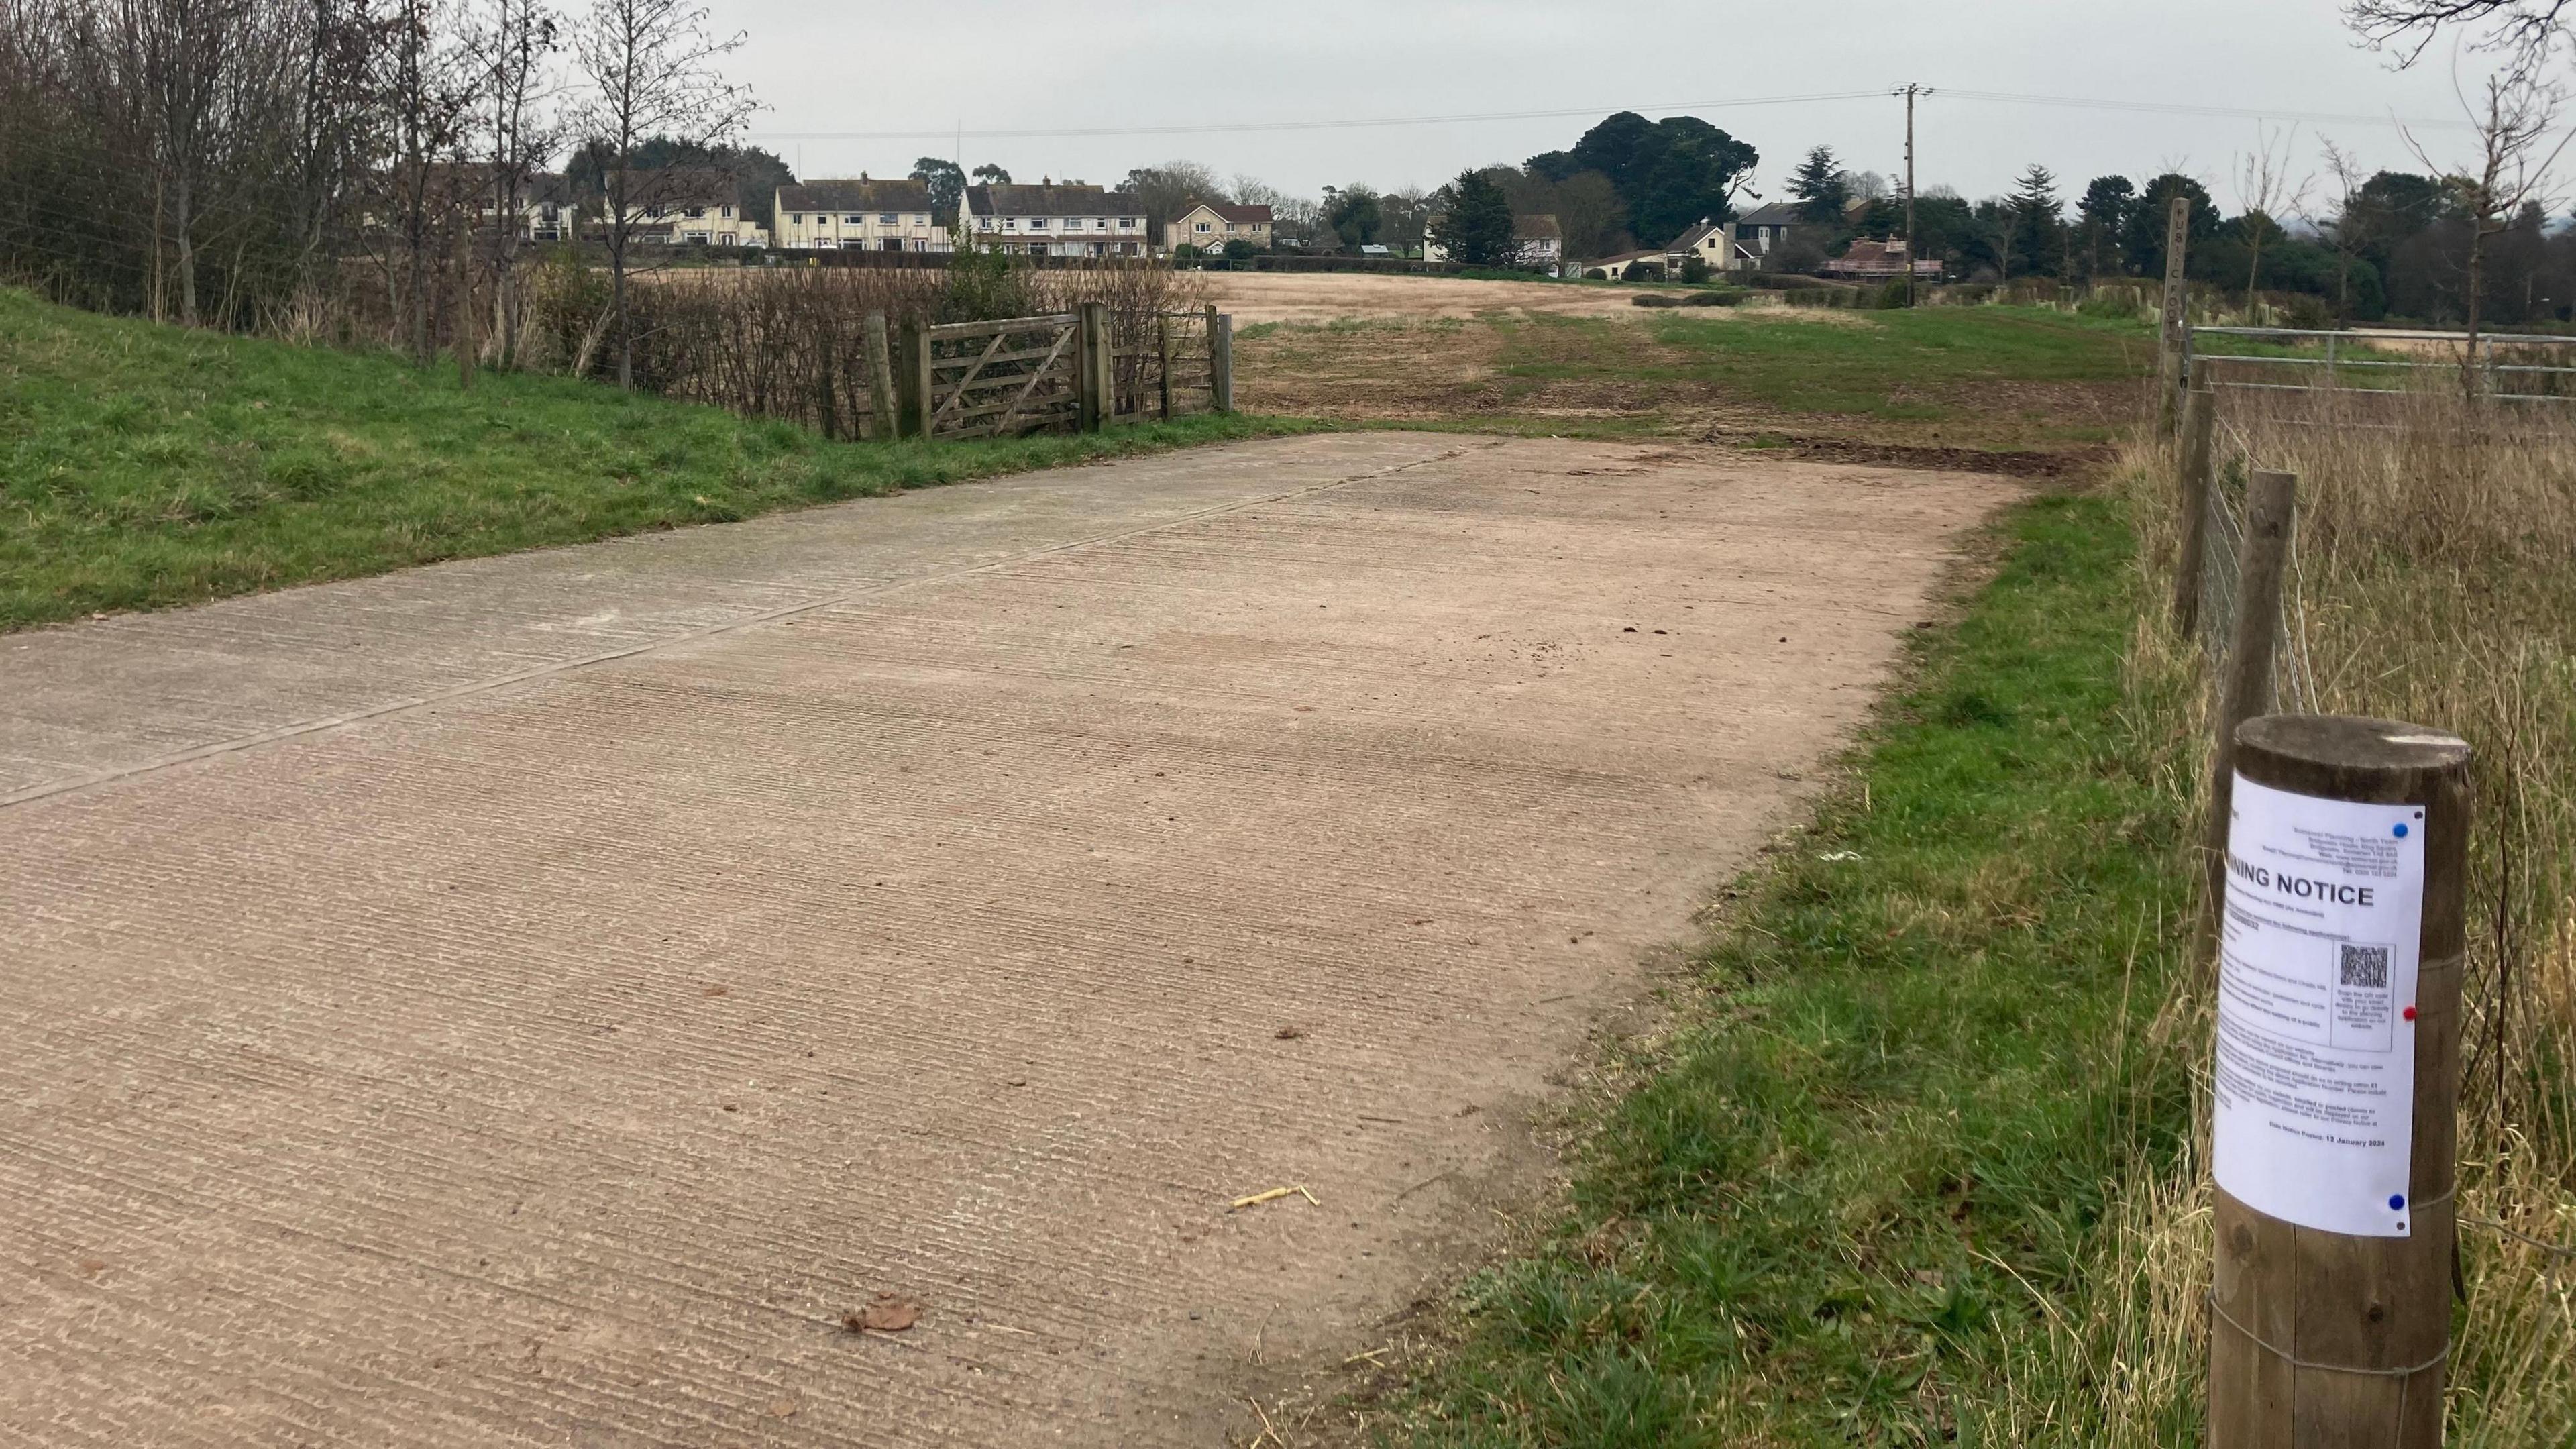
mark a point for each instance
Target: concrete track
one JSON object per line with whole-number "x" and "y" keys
{"x": 532, "y": 1001}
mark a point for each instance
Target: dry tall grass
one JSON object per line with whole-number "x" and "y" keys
{"x": 791, "y": 341}
{"x": 2435, "y": 581}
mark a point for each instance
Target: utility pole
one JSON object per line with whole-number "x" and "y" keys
{"x": 1911, "y": 90}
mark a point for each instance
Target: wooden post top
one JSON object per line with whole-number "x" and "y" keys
{"x": 2345, "y": 757}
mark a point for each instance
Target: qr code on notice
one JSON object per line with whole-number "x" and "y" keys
{"x": 2365, "y": 966}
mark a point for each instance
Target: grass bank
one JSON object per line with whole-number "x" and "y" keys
{"x": 143, "y": 467}
{"x": 1906, "y": 1085}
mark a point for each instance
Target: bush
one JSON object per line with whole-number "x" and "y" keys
{"x": 1595, "y": 274}
{"x": 1646, "y": 272}
{"x": 1186, "y": 252}
{"x": 1241, "y": 250}
{"x": 1894, "y": 294}
{"x": 1694, "y": 269}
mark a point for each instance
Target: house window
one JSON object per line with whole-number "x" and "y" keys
{"x": 886, "y": 220}
{"x": 1126, "y": 223}
{"x": 1037, "y": 223}
{"x": 853, "y": 220}
{"x": 695, "y": 212}
{"x": 892, "y": 244}
{"x": 795, "y": 218}
{"x": 728, "y": 213}
{"x": 1203, "y": 226}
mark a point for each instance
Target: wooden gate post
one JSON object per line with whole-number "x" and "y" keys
{"x": 912, "y": 380}
{"x": 1094, "y": 402}
{"x": 881, "y": 409}
{"x": 1220, "y": 359}
{"x": 467, "y": 344}
{"x": 2177, "y": 328}
{"x": 2199, "y": 421}
{"x": 2318, "y": 1336}
{"x": 2245, "y": 686}
{"x": 1163, "y": 347}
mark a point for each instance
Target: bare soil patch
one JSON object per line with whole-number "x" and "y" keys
{"x": 1312, "y": 297}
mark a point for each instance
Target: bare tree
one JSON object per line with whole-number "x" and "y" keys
{"x": 2344, "y": 225}
{"x": 2264, "y": 189}
{"x": 1167, "y": 190}
{"x": 510, "y": 42}
{"x": 2527, "y": 29}
{"x": 179, "y": 57}
{"x": 651, "y": 70}
{"x": 428, "y": 89}
{"x": 2513, "y": 124}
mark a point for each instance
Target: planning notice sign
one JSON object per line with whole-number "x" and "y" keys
{"x": 2316, "y": 1009}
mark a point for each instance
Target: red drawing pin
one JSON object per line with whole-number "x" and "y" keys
{"x": 2410, "y": 1013}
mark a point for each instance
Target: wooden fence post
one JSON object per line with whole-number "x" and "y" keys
{"x": 2177, "y": 328}
{"x": 1163, "y": 347}
{"x": 912, "y": 380}
{"x": 2199, "y": 422}
{"x": 2331, "y": 1314}
{"x": 1094, "y": 402}
{"x": 467, "y": 344}
{"x": 881, "y": 409}
{"x": 827, "y": 401}
{"x": 1221, "y": 359}
{"x": 2245, "y": 685}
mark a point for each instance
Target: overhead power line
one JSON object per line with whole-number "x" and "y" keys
{"x": 2251, "y": 113}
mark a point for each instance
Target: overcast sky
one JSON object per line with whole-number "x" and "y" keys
{"x": 830, "y": 69}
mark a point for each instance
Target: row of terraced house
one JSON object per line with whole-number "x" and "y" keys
{"x": 703, "y": 207}
{"x": 1052, "y": 219}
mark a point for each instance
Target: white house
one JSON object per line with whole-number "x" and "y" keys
{"x": 1714, "y": 243}
{"x": 858, "y": 216}
{"x": 1209, "y": 225}
{"x": 1058, "y": 220}
{"x": 689, "y": 206}
{"x": 1542, "y": 242}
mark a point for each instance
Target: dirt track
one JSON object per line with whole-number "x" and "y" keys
{"x": 532, "y": 1000}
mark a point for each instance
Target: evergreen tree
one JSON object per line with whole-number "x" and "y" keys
{"x": 1821, "y": 187}
{"x": 2102, "y": 217}
{"x": 947, "y": 183}
{"x": 1355, "y": 215}
{"x": 2145, "y": 239}
{"x": 1669, "y": 175}
{"x": 2035, "y": 225}
{"x": 1476, "y": 227}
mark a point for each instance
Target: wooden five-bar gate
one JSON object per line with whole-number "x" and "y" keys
{"x": 1086, "y": 370}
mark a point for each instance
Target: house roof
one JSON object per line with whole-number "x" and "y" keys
{"x": 1774, "y": 213}
{"x": 1537, "y": 227}
{"x": 1890, "y": 250}
{"x": 680, "y": 186}
{"x": 1651, "y": 254}
{"x": 1069, "y": 199}
{"x": 1228, "y": 211}
{"x": 1693, "y": 237}
{"x": 860, "y": 195}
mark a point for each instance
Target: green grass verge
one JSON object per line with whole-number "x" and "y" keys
{"x": 1896, "y": 364}
{"x": 1899, "y": 1093}
{"x": 144, "y": 466}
